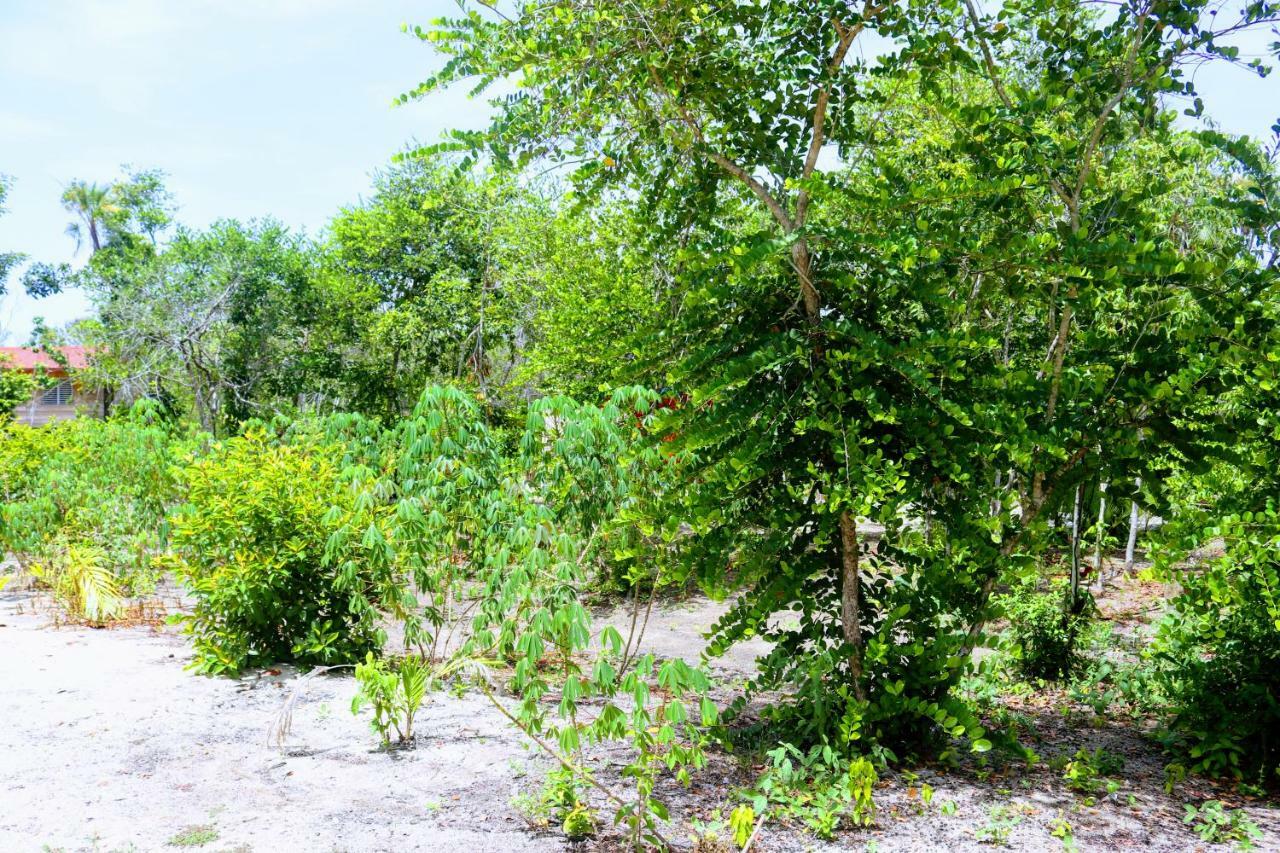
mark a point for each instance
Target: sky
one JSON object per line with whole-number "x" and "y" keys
{"x": 255, "y": 108}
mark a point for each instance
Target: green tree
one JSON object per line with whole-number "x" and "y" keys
{"x": 143, "y": 205}
{"x": 960, "y": 299}
{"x": 94, "y": 208}
{"x": 8, "y": 260}
{"x": 270, "y": 358}
{"x": 122, "y": 220}
{"x": 137, "y": 205}
{"x": 587, "y": 292}
{"x": 427, "y": 248}
{"x": 1216, "y": 651}
{"x": 468, "y": 276}
{"x": 222, "y": 315}
{"x": 16, "y": 388}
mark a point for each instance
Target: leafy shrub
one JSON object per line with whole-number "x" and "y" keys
{"x": 1047, "y": 630}
{"x": 561, "y": 800}
{"x": 820, "y": 788}
{"x": 1002, "y": 820}
{"x": 1105, "y": 684}
{"x": 579, "y": 823}
{"x": 742, "y": 822}
{"x": 395, "y": 691}
{"x": 452, "y": 512}
{"x": 712, "y": 835}
{"x": 87, "y": 498}
{"x": 1218, "y": 652}
{"x": 717, "y": 835}
{"x": 16, "y": 388}
{"x": 1219, "y": 825}
{"x": 83, "y": 583}
{"x": 908, "y": 700}
{"x": 1223, "y": 679}
{"x": 31, "y": 513}
{"x": 250, "y": 544}
{"x": 1060, "y": 828}
{"x": 1086, "y": 770}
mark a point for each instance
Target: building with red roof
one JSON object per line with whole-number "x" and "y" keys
{"x": 63, "y": 394}
{"x": 29, "y": 360}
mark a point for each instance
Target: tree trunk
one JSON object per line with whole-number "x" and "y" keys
{"x": 1097, "y": 545}
{"x": 850, "y": 616}
{"x": 850, "y": 613}
{"x": 1075, "y": 547}
{"x": 1132, "y": 544}
{"x": 803, "y": 262}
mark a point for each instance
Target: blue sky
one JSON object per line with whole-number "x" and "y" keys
{"x": 254, "y": 108}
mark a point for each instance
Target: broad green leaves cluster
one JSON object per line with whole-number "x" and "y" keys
{"x": 495, "y": 548}
{"x": 820, "y": 788}
{"x": 16, "y": 388}
{"x": 395, "y": 692}
{"x": 1218, "y": 652}
{"x": 1046, "y": 628}
{"x": 84, "y": 503}
{"x": 925, "y": 299}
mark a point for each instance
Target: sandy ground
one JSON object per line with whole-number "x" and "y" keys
{"x": 108, "y": 743}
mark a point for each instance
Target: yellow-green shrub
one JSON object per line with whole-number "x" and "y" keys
{"x": 16, "y": 387}
{"x": 249, "y": 542}
{"x": 89, "y": 487}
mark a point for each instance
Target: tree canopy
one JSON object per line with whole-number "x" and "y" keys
{"x": 986, "y": 266}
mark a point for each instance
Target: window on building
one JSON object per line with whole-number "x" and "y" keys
{"x": 59, "y": 395}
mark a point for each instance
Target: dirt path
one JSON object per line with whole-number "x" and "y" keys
{"x": 108, "y": 744}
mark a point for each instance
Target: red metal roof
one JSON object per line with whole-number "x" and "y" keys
{"x": 26, "y": 359}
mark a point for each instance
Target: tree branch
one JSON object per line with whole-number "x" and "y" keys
{"x": 823, "y": 102}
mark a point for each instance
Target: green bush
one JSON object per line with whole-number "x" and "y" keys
{"x": 1047, "y": 630}
{"x": 909, "y": 704}
{"x": 16, "y": 388}
{"x": 84, "y": 503}
{"x": 819, "y": 788}
{"x": 562, "y": 799}
{"x": 1223, "y": 679}
{"x": 1217, "y": 653}
{"x": 1086, "y": 770}
{"x": 250, "y": 544}
{"x": 83, "y": 584}
{"x": 1218, "y": 825}
{"x": 499, "y": 541}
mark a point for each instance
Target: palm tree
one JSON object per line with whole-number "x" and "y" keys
{"x": 93, "y": 205}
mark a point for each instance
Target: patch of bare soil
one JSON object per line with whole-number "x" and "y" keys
{"x": 108, "y": 743}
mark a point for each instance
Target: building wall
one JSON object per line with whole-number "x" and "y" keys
{"x": 84, "y": 403}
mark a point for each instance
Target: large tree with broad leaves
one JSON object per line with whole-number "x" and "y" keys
{"x": 987, "y": 268}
